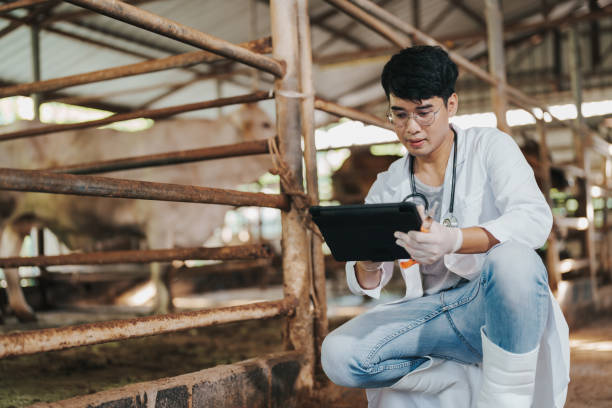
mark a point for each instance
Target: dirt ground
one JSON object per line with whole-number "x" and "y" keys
{"x": 60, "y": 375}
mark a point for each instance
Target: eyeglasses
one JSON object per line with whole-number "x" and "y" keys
{"x": 400, "y": 118}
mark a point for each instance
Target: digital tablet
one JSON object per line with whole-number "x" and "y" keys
{"x": 364, "y": 232}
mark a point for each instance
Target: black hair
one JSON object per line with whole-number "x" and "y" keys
{"x": 420, "y": 72}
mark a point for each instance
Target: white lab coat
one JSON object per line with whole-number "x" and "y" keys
{"x": 495, "y": 189}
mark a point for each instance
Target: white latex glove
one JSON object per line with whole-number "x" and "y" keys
{"x": 427, "y": 247}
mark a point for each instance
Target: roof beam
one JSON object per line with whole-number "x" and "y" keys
{"x": 605, "y": 12}
{"x": 79, "y": 14}
{"x": 33, "y": 17}
{"x": 152, "y": 44}
{"x": 5, "y": 8}
{"x": 353, "y": 57}
{"x": 437, "y": 20}
{"x": 345, "y": 29}
{"x": 472, "y": 14}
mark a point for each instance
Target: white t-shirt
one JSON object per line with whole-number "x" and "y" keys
{"x": 435, "y": 277}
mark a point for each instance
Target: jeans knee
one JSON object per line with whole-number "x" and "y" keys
{"x": 340, "y": 363}
{"x": 515, "y": 268}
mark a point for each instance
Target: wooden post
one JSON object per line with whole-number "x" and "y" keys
{"x": 297, "y": 282}
{"x": 497, "y": 67}
{"x": 317, "y": 264}
{"x": 552, "y": 254}
{"x": 583, "y": 155}
{"x": 605, "y": 254}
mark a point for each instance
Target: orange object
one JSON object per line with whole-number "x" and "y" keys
{"x": 410, "y": 262}
{"x": 407, "y": 264}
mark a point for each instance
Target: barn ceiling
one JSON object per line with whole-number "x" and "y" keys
{"x": 348, "y": 56}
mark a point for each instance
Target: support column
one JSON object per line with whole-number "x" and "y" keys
{"x": 297, "y": 282}
{"x": 317, "y": 263}
{"x": 606, "y": 253}
{"x": 552, "y": 254}
{"x": 497, "y": 68}
{"x": 583, "y": 155}
{"x": 35, "y": 47}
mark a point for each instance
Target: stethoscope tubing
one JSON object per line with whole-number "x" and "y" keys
{"x": 415, "y": 193}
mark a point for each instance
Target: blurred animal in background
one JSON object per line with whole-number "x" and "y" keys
{"x": 531, "y": 150}
{"x": 92, "y": 223}
{"x": 352, "y": 181}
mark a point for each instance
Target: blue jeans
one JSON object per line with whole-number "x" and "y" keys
{"x": 510, "y": 299}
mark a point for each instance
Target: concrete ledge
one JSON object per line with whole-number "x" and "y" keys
{"x": 266, "y": 382}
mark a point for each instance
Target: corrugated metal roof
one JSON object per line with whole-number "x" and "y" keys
{"x": 229, "y": 20}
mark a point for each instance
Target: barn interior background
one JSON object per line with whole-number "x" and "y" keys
{"x": 148, "y": 91}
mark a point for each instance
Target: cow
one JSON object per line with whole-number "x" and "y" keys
{"x": 94, "y": 223}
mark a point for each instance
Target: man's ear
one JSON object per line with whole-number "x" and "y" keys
{"x": 452, "y": 105}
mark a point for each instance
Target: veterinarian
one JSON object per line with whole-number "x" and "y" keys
{"x": 478, "y": 326}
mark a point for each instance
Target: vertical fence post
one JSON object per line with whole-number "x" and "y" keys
{"x": 497, "y": 66}
{"x": 583, "y": 143}
{"x": 310, "y": 160}
{"x": 296, "y": 248}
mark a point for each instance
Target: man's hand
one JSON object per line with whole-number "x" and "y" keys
{"x": 368, "y": 274}
{"x": 427, "y": 247}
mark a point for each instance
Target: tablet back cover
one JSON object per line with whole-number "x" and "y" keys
{"x": 365, "y": 232}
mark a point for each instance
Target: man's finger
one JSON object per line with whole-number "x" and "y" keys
{"x": 421, "y": 211}
{"x": 421, "y": 237}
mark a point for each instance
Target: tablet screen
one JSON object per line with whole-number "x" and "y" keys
{"x": 364, "y": 232}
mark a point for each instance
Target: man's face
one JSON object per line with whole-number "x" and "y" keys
{"x": 422, "y": 126}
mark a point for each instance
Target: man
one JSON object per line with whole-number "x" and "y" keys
{"x": 478, "y": 294}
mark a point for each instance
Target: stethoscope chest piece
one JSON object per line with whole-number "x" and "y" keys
{"x": 450, "y": 221}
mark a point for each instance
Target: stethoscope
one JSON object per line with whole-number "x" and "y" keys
{"x": 450, "y": 220}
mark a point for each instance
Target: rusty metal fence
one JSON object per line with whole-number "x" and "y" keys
{"x": 304, "y": 301}
{"x": 302, "y": 259}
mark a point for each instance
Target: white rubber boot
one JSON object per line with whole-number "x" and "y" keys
{"x": 507, "y": 378}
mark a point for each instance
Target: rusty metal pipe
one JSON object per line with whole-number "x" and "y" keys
{"x": 373, "y": 23}
{"x": 514, "y": 95}
{"x": 343, "y": 111}
{"x": 37, "y": 341}
{"x": 175, "y": 61}
{"x": 227, "y": 267}
{"x": 144, "y": 113}
{"x": 180, "y": 32}
{"x": 5, "y": 8}
{"x": 165, "y": 159}
{"x": 142, "y": 256}
{"x": 48, "y": 182}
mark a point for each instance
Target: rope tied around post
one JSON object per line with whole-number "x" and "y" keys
{"x": 291, "y": 187}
